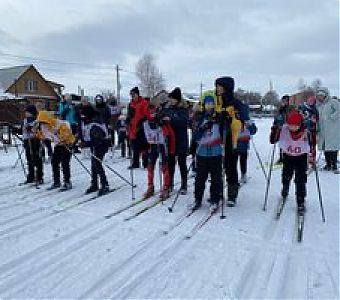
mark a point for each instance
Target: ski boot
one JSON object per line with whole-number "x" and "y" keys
{"x": 149, "y": 193}
{"x": 103, "y": 190}
{"x": 301, "y": 209}
{"x": 197, "y": 205}
{"x": 55, "y": 185}
{"x": 184, "y": 188}
{"x": 213, "y": 207}
{"x": 232, "y": 194}
{"x": 66, "y": 186}
{"x": 91, "y": 189}
{"x": 244, "y": 179}
{"x": 164, "y": 194}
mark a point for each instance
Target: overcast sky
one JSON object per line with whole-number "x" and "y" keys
{"x": 194, "y": 41}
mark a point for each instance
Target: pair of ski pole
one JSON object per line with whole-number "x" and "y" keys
{"x": 316, "y": 178}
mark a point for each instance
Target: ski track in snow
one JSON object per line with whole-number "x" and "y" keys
{"x": 49, "y": 249}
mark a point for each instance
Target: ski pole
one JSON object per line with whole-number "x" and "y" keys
{"x": 259, "y": 159}
{"x": 170, "y": 208}
{"x": 78, "y": 160}
{"x": 223, "y": 194}
{"x": 269, "y": 177}
{"x": 113, "y": 171}
{"x": 19, "y": 157}
{"x": 131, "y": 176}
{"x": 319, "y": 192}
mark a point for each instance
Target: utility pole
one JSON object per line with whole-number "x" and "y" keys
{"x": 201, "y": 90}
{"x": 118, "y": 83}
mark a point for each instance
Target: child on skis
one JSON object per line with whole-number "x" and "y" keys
{"x": 161, "y": 140}
{"x": 61, "y": 134}
{"x": 96, "y": 136}
{"x": 32, "y": 145}
{"x": 247, "y": 130}
{"x": 208, "y": 155}
{"x": 294, "y": 141}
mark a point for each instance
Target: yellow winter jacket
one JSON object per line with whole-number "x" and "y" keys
{"x": 235, "y": 125}
{"x": 61, "y": 130}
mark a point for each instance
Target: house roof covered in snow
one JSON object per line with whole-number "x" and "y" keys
{"x": 9, "y": 75}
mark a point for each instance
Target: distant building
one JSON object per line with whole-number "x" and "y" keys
{"x": 23, "y": 85}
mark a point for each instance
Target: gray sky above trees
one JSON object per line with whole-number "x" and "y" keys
{"x": 253, "y": 40}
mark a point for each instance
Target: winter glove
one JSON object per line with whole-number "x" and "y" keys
{"x": 274, "y": 134}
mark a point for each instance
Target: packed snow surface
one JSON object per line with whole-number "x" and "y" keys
{"x": 52, "y": 248}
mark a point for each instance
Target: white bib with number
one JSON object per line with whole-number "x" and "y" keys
{"x": 293, "y": 147}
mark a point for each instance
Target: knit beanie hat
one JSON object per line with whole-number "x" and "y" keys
{"x": 285, "y": 98}
{"x": 294, "y": 118}
{"x": 135, "y": 90}
{"x": 208, "y": 100}
{"x": 227, "y": 82}
{"x": 176, "y": 94}
{"x": 32, "y": 110}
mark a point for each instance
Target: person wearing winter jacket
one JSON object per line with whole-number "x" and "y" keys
{"x": 178, "y": 116}
{"x": 67, "y": 112}
{"x": 121, "y": 128}
{"x": 97, "y": 137}
{"x": 208, "y": 155}
{"x": 310, "y": 119}
{"x": 103, "y": 111}
{"x": 247, "y": 130}
{"x": 161, "y": 140}
{"x": 32, "y": 146}
{"x": 281, "y": 117}
{"x": 115, "y": 111}
{"x": 137, "y": 113}
{"x": 328, "y": 128}
{"x": 294, "y": 141}
{"x": 233, "y": 114}
{"x": 61, "y": 134}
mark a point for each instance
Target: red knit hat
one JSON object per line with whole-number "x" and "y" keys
{"x": 294, "y": 118}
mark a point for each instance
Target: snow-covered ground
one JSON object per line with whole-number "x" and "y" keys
{"x": 78, "y": 253}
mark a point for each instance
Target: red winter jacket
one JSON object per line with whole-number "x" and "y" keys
{"x": 138, "y": 110}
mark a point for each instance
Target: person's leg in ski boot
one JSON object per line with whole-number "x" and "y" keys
{"x": 243, "y": 165}
{"x": 300, "y": 165}
{"x": 30, "y": 163}
{"x": 65, "y": 164}
{"x": 38, "y": 161}
{"x": 55, "y": 162}
{"x": 152, "y": 157}
{"x": 182, "y": 163}
{"x": 104, "y": 188}
{"x": 287, "y": 174}
{"x": 215, "y": 171}
{"x": 202, "y": 168}
{"x": 232, "y": 175}
{"x": 166, "y": 182}
{"x": 171, "y": 166}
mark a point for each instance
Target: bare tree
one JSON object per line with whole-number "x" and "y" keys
{"x": 270, "y": 98}
{"x": 150, "y": 79}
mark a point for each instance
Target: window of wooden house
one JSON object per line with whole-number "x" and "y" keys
{"x": 31, "y": 85}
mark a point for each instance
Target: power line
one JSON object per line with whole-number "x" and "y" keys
{"x": 56, "y": 61}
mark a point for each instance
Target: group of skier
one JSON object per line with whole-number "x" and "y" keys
{"x": 221, "y": 131}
